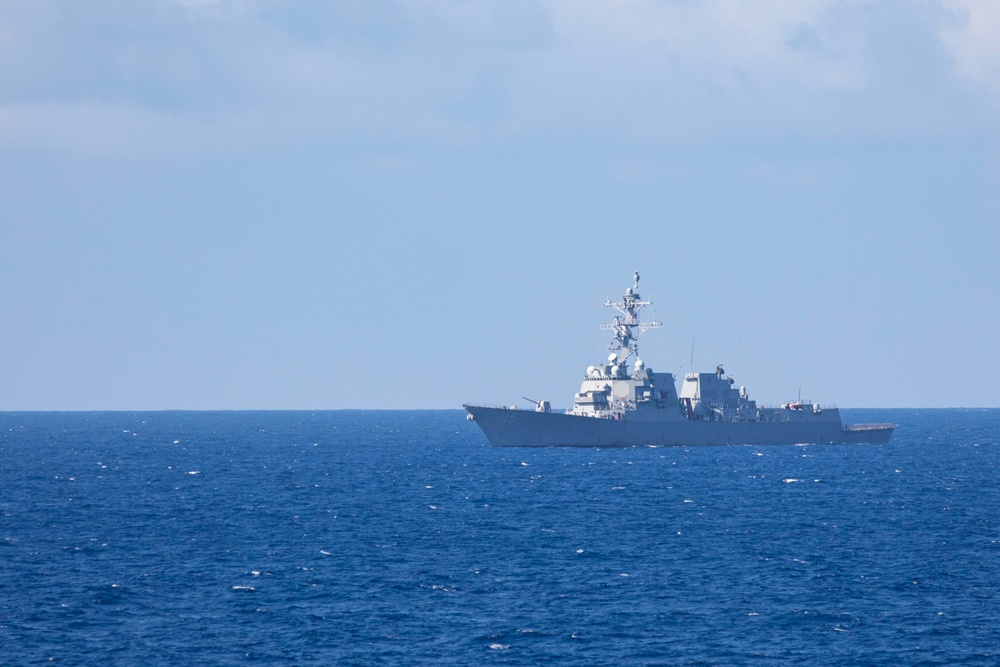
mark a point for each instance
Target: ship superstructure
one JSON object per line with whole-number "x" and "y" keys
{"x": 610, "y": 389}
{"x": 623, "y": 403}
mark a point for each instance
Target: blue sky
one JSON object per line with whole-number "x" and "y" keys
{"x": 415, "y": 203}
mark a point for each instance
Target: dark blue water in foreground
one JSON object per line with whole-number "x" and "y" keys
{"x": 399, "y": 538}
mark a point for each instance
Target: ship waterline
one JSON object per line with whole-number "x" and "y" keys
{"x": 506, "y": 427}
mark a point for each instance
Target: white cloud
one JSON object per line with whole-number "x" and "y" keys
{"x": 973, "y": 38}
{"x": 212, "y": 74}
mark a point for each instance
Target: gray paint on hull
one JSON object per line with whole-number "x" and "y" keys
{"x": 522, "y": 428}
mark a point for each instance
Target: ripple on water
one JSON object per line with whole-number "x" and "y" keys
{"x": 401, "y": 538}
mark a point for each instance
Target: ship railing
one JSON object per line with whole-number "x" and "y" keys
{"x": 494, "y": 407}
{"x": 806, "y": 405}
{"x": 869, "y": 427}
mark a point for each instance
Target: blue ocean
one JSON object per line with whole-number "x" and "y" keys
{"x": 403, "y": 538}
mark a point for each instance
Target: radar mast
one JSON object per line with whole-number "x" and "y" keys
{"x": 628, "y": 327}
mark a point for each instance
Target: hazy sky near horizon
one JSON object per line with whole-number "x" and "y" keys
{"x": 416, "y": 203}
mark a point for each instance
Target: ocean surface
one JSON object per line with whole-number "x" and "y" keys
{"x": 403, "y": 538}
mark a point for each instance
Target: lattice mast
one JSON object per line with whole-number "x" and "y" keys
{"x": 627, "y": 327}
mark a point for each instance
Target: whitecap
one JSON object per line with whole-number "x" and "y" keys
{"x": 790, "y": 480}
{"x": 193, "y": 472}
{"x": 244, "y": 588}
{"x": 499, "y": 647}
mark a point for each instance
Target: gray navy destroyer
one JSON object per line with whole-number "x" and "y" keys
{"x": 623, "y": 403}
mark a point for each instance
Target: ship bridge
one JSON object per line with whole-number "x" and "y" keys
{"x": 611, "y": 388}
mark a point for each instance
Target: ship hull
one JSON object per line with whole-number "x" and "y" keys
{"x": 523, "y": 428}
